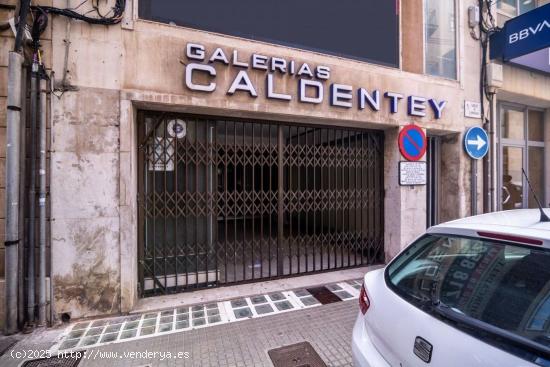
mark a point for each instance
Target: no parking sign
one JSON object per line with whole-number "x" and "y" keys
{"x": 412, "y": 142}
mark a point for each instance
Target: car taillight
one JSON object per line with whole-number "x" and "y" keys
{"x": 364, "y": 302}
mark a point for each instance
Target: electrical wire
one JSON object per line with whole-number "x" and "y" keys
{"x": 116, "y": 13}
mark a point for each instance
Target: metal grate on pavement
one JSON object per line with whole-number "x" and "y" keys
{"x": 299, "y": 355}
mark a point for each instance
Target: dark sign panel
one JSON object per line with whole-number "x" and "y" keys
{"x": 359, "y": 29}
{"x": 522, "y": 35}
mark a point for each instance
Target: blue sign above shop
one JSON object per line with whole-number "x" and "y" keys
{"x": 523, "y": 35}
{"x": 476, "y": 142}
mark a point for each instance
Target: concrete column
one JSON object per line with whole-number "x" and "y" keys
{"x": 405, "y": 206}
{"x": 454, "y": 179}
{"x": 128, "y": 206}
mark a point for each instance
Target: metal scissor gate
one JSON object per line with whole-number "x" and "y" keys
{"x": 226, "y": 201}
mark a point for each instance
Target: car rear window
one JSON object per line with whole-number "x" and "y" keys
{"x": 502, "y": 284}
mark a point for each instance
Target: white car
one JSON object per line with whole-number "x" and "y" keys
{"x": 472, "y": 292}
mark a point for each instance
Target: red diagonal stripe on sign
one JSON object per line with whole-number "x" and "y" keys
{"x": 413, "y": 143}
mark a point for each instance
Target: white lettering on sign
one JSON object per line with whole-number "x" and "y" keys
{"x": 529, "y": 31}
{"x": 412, "y": 173}
{"x": 311, "y": 81}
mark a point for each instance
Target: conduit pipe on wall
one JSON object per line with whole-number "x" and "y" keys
{"x": 42, "y": 203}
{"x": 12, "y": 189}
{"x": 21, "y": 309}
{"x": 32, "y": 195}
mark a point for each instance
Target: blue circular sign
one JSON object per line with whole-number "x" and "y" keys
{"x": 476, "y": 142}
{"x": 412, "y": 142}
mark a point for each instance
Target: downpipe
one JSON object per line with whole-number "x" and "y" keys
{"x": 12, "y": 189}
{"x": 42, "y": 202}
{"x": 31, "y": 302}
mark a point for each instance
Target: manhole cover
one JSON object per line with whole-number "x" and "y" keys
{"x": 55, "y": 361}
{"x": 324, "y": 295}
{"x": 296, "y": 355}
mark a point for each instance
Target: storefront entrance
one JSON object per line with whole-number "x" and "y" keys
{"x": 225, "y": 201}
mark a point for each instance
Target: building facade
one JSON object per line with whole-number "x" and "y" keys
{"x": 183, "y": 157}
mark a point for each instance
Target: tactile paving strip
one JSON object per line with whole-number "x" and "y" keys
{"x": 88, "y": 334}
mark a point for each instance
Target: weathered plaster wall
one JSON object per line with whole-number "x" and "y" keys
{"x": 117, "y": 71}
{"x": 405, "y": 206}
{"x": 85, "y": 202}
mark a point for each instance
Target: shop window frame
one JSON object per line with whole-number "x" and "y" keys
{"x": 457, "y": 21}
{"x": 524, "y": 144}
{"x": 517, "y": 9}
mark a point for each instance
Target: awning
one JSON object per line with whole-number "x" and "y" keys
{"x": 525, "y": 40}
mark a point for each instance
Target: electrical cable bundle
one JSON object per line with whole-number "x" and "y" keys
{"x": 115, "y": 18}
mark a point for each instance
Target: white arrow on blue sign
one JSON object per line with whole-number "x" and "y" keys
{"x": 476, "y": 142}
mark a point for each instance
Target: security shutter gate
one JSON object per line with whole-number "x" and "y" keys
{"x": 224, "y": 201}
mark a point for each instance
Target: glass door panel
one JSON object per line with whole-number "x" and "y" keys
{"x": 536, "y": 174}
{"x": 512, "y": 180}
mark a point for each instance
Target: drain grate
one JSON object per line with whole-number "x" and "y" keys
{"x": 324, "y": 295}
{"x": 296, "y": 355}
{"x": 55, "y": 361}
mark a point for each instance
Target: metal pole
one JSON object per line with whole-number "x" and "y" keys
{"x": 11, "y": 243}
{"x": 21, "y": 273}
{"x": 52, "y": 305}
{"x": 280, "y": 200}
{"x": 473, "y": 178}
{"x": 493, "y": 156}
{"x": 32, "y": 193}
{"x": 42, "y": 204}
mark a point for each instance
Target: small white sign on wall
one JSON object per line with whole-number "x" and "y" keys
{"x": 161, "y": 158}
{"x": 472, "y": 109}
{"x": 412, "y": 173}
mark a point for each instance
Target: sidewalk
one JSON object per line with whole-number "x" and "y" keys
{"x": 236, "y": 332}
{"x": 328, "y": 328}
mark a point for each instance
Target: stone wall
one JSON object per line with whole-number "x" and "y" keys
{"x": 117, "y": 70}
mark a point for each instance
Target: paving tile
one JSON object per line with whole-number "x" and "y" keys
{"x": 89, "y": 340}
{"x": 76, "y": 334}
{"x": 106, "y": 338}
{"x": 236, "y": 303}
{"x": 284, "y": 305}
{"x": 165, "y": 327}
{"x": 212, "y": 312}
{"x": 148, "y": 322}
{"x": 302, "y": 293}
{"x": 258, "y": 299}
{"x": 263, "y": 309}
{"x": 113, "y": 328}
{"x": 242, "y": 313}
{"x": 131, "y": 325}
{"x": 128, "y": 334}
{"x": 94, "y": 331}
{"x": 182, "y": 324}
{"x": 147, "y": 331}
{"x": 278, "y": 296}
{"x": 214, "y": 319}
{"x": 182, "y": 317}
{"x": 182, "y": 310}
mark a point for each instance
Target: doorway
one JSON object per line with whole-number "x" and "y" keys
{"x": 225, "y": 201}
